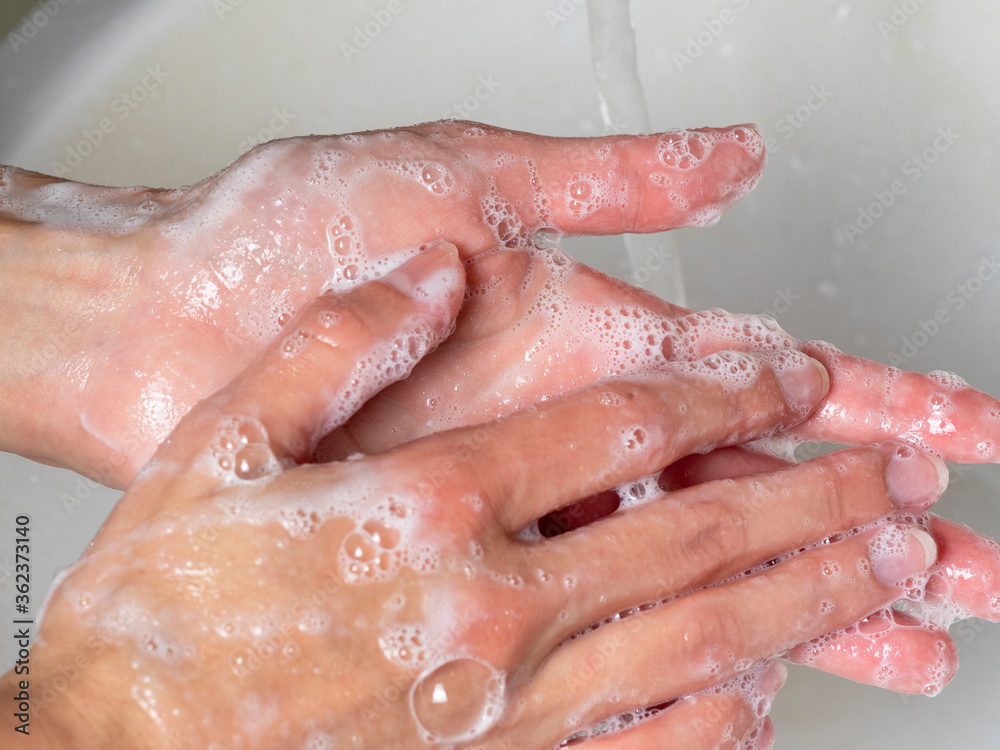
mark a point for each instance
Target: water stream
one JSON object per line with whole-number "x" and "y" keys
{"x": 624, "y": 110}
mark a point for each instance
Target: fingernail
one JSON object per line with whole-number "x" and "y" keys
{"x": 433, "y": 274}
{"x": 804, "y": 381}
{"x": 773, "y": 679}
{"x": 898, "y": 552}
{"x": 915, "y": 480}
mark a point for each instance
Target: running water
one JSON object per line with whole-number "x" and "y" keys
{"x": 624, "y": 110}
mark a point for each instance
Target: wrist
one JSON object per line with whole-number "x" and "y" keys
{"x": 60, "y": 299}
{"x": 81, "y": 706}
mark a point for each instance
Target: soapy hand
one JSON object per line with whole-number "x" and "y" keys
{"x": 238, "y": 597}
{"x": 536, "y": 324}
{"x": 907, "y": 651}
{"x": 166, "y": 294}
{"x": 213, "y": 282}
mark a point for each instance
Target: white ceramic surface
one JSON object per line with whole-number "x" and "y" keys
{"x": 851, "y": 96}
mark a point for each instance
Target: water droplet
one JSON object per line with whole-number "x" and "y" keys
{"x": 382, "y": 535}
{"x": 607, "y": 398}
{"x": 329, "y": 318}
{"x": 430, "y": 174}
{"x": 458, "y": 700}
{"x": 358, "y": 548}
{"x": 253, "y": 461}
{"x": 581, "y": 190}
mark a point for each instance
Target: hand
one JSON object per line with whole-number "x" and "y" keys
{"x": 511, "y": 349}
{"x": 536, "y": 324}
{"x": 166, "y": 294}
{"x": 908, "y": 652}
{"x": 238, "y": 596}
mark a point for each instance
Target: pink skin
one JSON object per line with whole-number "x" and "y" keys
{"x": 888, "y": 649}
{"x": 967, "y": 570}
{"x": 274, "y": 214}
{"x": 208, "y": 274}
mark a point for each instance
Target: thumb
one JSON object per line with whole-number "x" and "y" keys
{"x": 338, "y": 352}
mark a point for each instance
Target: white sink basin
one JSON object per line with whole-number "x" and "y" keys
{"x": 877, "y": 210}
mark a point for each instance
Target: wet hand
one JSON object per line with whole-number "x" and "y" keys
{"x": 907, "y": 650}
{"x": 240, "y": 596}
{"x": 166, "y": 294}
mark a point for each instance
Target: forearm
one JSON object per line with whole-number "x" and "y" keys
{"x": 56, "y": 282}
{"x": 73, "y": 708}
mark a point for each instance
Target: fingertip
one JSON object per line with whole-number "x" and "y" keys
{"x": 915, "y": 480}
{"x": 435, "y": 279}
{"x": 900, "y": 551}
{"x": 725, "y": 165}
{"x": 804, "y": 382}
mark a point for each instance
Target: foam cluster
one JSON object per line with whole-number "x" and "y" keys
{"x": 745, "y": 688}
{"x": 240, "y": 452}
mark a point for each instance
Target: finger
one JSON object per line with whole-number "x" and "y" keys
{"x": 707, "y": 635}
{"x": 965, "y": 582}
{"x": 337, "y": 352}
{"x": 887, "y": 649}
{"x": 868, "y": 402}
{"x": 570, "y": 447}
{"x": 715, "y": 530}
{"x": 646, "y": 183}
{"x": 765, "y": 735}
{"x": 609, "y": 185}
{"x": 727, "y": 716}
{"x": 939, "y": 413}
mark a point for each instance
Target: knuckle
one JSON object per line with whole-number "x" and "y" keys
{"x": 841, "y": 483}
{"x": 625, "y": 161}
{"x": 344, "y": 321}
{"x": 712, "y": 634}
{"x": 830, "y": 490}
{"x": 715, "y": 537}
{"x": 639, "y": 401}
{"x": 357, "y": 319}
